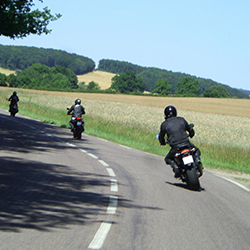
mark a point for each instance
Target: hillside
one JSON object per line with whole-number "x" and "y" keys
{"x": 102, "y": 78}
{"x": 22, "y": 57}
{"x": 7, "y": 71}
{"x": 151, "y": 75}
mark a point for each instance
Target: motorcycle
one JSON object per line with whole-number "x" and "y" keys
{"x": 13, "y": 109}
{"x": 78, "y": 128}
{"x": 189, "y": 168}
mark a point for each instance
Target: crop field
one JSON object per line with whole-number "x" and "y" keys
{"x": 102, "y": 78}
{"x": 7, "y": 71}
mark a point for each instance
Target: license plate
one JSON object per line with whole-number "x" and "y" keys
{"x": 188, "y": 159}
{"x": 79, "y": 123}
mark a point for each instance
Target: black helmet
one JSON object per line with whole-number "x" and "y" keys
{"x": 77, "y": 101}
{"x": 14, "y": 93}
{"x": 170, "y": 111}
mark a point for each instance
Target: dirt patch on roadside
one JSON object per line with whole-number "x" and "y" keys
{"x": 241, "y": 178}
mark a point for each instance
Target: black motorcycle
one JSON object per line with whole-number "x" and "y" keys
{"x": 188, "y": 166}
{"x": 78, "y": 126}
{"x": 13, "y": 109}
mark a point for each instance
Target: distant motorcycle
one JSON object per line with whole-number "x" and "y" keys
{"x": 78, "y": 128}
{"x": 188, "y": 166}
{"x": 13, "y": 109}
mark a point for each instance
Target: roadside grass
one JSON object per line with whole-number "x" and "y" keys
{"x": 223, "y": 140}
{"x": 241, "y": 179}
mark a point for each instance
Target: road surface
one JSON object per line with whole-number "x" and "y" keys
{"x": 61, "y": 193}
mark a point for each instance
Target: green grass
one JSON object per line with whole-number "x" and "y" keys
{"x": 241, "y": 179}
{"x": 214, "y": 156}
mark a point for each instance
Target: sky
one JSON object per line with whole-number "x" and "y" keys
{"x": 203, "y": 38}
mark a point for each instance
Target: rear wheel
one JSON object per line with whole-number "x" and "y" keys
{"x": 78, "y": 133}
{"x": 192, "y": 179}
{"x": 79, "y": 136}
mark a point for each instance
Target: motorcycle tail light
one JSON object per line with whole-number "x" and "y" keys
{"x": 185, "y": 151}
{"x": 78, "y": 118}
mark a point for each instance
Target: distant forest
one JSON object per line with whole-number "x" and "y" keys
{"x": 22, "y": 57}
{"x": 150, "y": 76}
{"x": 24, "y": 61}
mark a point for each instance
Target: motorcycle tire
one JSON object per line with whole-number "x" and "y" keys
{"x": 192, "y": 179}
{"x": 77, "y": 134}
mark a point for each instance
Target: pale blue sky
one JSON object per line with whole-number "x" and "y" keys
{"x": 205, "y": 38}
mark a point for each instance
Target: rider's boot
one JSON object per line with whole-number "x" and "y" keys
{"x": 175, "y": 170}
{"x": 199, "y": 165}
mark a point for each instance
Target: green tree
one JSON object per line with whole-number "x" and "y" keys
{"x": 162, "y": 87}
{"x": 18, "y": 20}
{"x": 216, "y": 91}
{"x": 92, "y": 86}
{"x": 12, "y": 80}
{"x": 60, "y": 81}
{"x": 68, "y": 73}
{"x": 24, "y": 81}
{"x": 188, "y": 86}
{"x": 127, "y": 82}
{"x": 3, "y": 80}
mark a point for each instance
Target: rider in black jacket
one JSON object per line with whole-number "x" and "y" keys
{"x": 77, "y": 111}
{"x": 13, "y": 99}
{"x": 175, "y": 128}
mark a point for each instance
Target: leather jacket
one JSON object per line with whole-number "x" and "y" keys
{"x": 175, "y": 128}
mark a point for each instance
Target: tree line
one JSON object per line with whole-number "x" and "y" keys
{"x": 42, "y": 77}
{"x": 50, "y": 69}
{"x": 165, "y": 82}
{"x": 22, "y": 57}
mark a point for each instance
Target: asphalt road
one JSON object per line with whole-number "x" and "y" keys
{"x": 61, "y": 193}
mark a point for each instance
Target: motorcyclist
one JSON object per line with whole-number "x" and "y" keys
{"x": 175, "y": 128}
{"x": 77, "y": 111}
{"x": 13, "y": 100}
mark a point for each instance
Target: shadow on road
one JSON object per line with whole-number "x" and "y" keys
{"x": 184, "y": 186}
{"x": 41, "y": 196}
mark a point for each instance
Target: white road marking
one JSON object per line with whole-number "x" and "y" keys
{"x": 104, "y": 228}
{"x": 114, "y": 186}
{"x": 112, "y": 205}
{"x": 111, "y": 172}
{"x": 104, "y": 163}
{"x": 234, "y": 182}
{"x": 102, "y": 139}
{"x": 124, "y": 146}
{"x": 100, "y": 236}
{"x": 93, "y": 156}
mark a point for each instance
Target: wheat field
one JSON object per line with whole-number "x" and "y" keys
{"x": 102, "y": 78}
{"x": 220, "y": 122}
{"x": 7, "y": 71}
